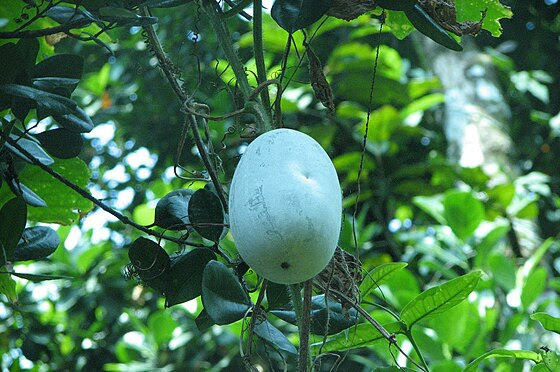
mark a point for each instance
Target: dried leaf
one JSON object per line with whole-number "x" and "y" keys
{"x": 444, "y": 13}
{"x": 319, "y": 83}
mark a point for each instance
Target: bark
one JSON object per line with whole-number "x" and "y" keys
{"x": 475, "y": 121}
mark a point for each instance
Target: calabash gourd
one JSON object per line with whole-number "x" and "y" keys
{"x": 285, "y": 206}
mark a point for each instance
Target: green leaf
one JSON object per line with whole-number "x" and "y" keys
{"x": 203, "y": 321}
{"x": 77, "y": 121}
{"x": 398, "y": 24}
{"x": 31, "y": 147}
{"x": 533, "y": 287}
{"x": 36, "y": 243}
{"x": 422, "y": 104}
{"x": 7, "y": 285}
{"x": 378, "y": 275}
{"x": 502, "y": 353}
{"x": 503, "y": 194}
{"x": 161, "y": 326}
{"x": 64, "y": 110}
{"x": 17, "y": 58}
{"x": 40, "y": 277}
{"x": 503, "y": 270}
{"x": 122, "y": 17}
{"x": 26, "y": 193}
{"x": 337, "y": 318}
{"x": 64, "y": 204}
{"x": 66, "y": 14}
{"x": 206, "y": 214}
{"x": 69, "y": 66}
{"x": 184, "y": 279}
{"x": 532, "y": 262}
{"x": 489, "y": 242}
{"x": 62, "y": 86}
{"x": 439, "y": 299}
{"x": 383, "y": 122}
{"x": 429, "y": 27}
{"x": 13, "y": 217}
{"x": 224, "y": 299}
{"x": 470, "y": 10}
{"x": 364, "y": 334}
{"x": 61, "y": 143}
{"x": 432, "y": 205}
{"x": 48, "y": 101}
{"x": 463, "y": 213}
{"x": 172, "y": 211}
{"x": 165, "y": 3}
{"x": 396, "y": 4}
{"x": 552, "y": 361}
{"x": 293, "y": 15}
{"x": 277, "y": 295}
{"x": 149, "y": 259}
{"x": 548, "y": 322}
{"x": 265, "y": 330}
{"x": 541, "y": 367}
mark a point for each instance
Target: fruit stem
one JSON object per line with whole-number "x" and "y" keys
{"x": 302, "y": 310}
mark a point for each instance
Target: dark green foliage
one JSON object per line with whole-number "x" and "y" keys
{"x": 396, "y": 4}
{"x": 172, "y": 211}
{"x": 206, "y": 214}
{"x": 183, "y": 281}
{"x": 426, "y": 25}
{"x": 293, "y": 15}
{"x": 321, "y": 310}
{"x": 409, "y": 207}
{"x": 148, "y": 258}
{"x": 13, "y": 215}
{"x": 224, "y": 299}
{"x": 265, "y": 330}
{"x": 32, "y": 147}
{"x": 36, "y": 243}
{"x": 61, "y": 143}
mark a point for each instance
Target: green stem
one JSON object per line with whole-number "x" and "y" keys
{"x": 259, "y": 53}
{"x": 295, "y": 294}
{"x": 408, "y": 334}
{"x": 237, "y": 9}
{"x": 224, "y": 39}
{"x": 304, "y": 353}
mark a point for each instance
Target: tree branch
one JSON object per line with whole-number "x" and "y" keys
{"x": 259, "y": 53}
{"x": 30, "y": 34}
{"x": 167, "y": 66}
{"x": 224, "y": 39}
{"x": 95, "y": 201}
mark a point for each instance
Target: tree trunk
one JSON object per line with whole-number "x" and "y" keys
{"x": 475, "y": 121}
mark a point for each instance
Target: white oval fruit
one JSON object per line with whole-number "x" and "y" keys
{"x": 285, "y": 206}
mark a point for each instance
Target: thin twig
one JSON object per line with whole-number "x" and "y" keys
{"x": 31, "y": 34}
{"x": 213, "y": 118}
{"x": 164, "y": 62}
{"x": 206, "y": 161}
{"x": 391, "y": 338}
{"x": 254, "y": 317}
{"x": 364, "y": 142}
{"x": 165, "y": 65}
{"x": 258, "y": 50}
{"x": 94, "y": 200}
{"x": 237, "y": 9}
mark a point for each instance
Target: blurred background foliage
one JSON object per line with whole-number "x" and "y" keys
{"x": 417, "y": 203}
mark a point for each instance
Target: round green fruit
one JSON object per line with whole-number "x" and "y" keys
{"x": 285, "y": 207}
